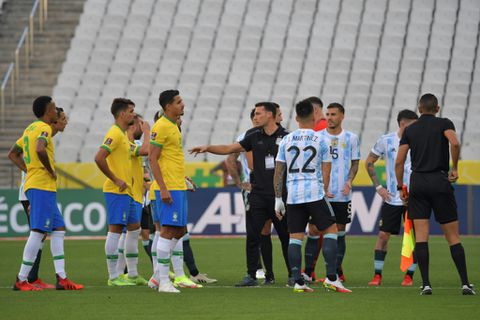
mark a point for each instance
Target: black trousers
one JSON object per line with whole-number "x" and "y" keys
{"x": 262, "y": 208}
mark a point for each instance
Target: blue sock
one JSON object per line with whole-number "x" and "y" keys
{"x": 379, "y": 261}
{"x": 341, "y": 248}
{"x": 295, "y": 259}
{"x": 311, "y": 248}
{"x": 330, "y": 255}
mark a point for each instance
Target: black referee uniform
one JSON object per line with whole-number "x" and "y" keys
{"x": 262, "y": 197}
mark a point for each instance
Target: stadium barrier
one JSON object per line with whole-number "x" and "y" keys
{"x": 215, "y": 211}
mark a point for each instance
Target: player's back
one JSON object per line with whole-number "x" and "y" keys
{"x": 303, "y": 151}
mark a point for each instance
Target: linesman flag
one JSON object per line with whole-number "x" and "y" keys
{"x": 408, "y": 243}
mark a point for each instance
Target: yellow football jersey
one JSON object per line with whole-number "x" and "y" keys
{"x": 151, "y": 192}
{"x": 120, "y": 159}
{"x": 137, "y": 172}
{"x": 37, "y": 176}
{"x": 165, "y": 134}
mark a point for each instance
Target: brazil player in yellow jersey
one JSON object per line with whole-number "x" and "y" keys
{"x": 41, "y": 189}
{"x": 114, "y": 160}
{"x": 167, "y": 164}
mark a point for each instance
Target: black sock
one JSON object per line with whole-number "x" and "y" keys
{"x": 266, "y": 250}
{"x": 188, "y": 258}
{"x": 341, "y": 248}
{"x": 148, "y": 249}
{"x": 329, "y": 249}
{"x": 379, "y": 259}
{"x": 421, "y": 250}
{"x": 458, "y": 256}
{"x": 33, "y": 275}
{"x": 259, "y": 266}
{"x": 295, "y": 259}
{"x": 311, "y": 248}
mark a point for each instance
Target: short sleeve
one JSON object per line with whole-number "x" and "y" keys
{"x": 45, "y": 134}
{"x": 404, "y": 139}
{"x": 134, "y": 149}
{"x": 281, "y": 152}
{"x": 325, "y": 151}
{"x": 379, "y": 148}
{"x": 448, "y": 125}
{"x": 158, "y": 137}
{"x": 247, "y": 142}
{"x": 111, "y": 141}
{"x": 19, "y": 143}
{"x": 355, "y": 143}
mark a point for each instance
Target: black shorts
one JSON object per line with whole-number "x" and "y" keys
{"x": 343, "y": 211}
{"x": 146, "y": 222}
{"x": 391, "y": 218}
{"x": 318, "y": 213}
{"x": 432, "y": 191}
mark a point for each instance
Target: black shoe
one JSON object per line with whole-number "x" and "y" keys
{"x": 247, "y": 281}
{"x": 269, "y": 281}
{"x": 468, "y": 290}
{"x": 426, "y": 291}
{"x": 291, "y": 282}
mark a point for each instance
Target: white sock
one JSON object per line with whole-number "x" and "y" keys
{"x": 177, "y": 257}
{"x": 163, "y": 258}
{"x": 131, "y": 251}
{"x": 111, "y": 251}
{"x": 121, "y": 262}
{"x": 34, "y": 243}
{"x": 56, "y": 247}
{"x": 154, "y": 253}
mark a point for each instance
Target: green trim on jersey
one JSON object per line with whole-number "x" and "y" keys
{"x": 106, "y": 148}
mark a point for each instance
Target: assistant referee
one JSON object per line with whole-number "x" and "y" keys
{"x": 430, "y": 185}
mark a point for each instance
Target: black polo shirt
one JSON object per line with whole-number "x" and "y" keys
{"x": 264, "y": 150}
{"x": 429, "y": 148}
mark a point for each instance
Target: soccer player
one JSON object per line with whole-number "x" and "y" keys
{"x": 305, "y": 156}
{"x": 40, "y": 187}
{"x": 263, "y": 142}
{"x": 345, "y": 150}
{"x": 167, "y": 164}
{"x": 428, "y": 140}
{"x": 393, "y": 207}
{"x": 114, "y": 160}
{"x": 57, "y": 126}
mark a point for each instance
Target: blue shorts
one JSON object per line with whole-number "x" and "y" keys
{"x": 174, "y": 214}
{"x": 44, "y": 213}
{"x": 121, "y": 209}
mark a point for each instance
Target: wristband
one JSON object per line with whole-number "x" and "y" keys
{"x": 379, "y": 187}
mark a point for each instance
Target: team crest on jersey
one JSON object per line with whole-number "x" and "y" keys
{"x": 108, "y": 141}
{"x": 344, "y": 145}
{"x": 153, "y": 135}
{"x": 44, "y": 134}
{"x": 335, "y": 142}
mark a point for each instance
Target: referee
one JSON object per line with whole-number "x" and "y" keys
{"x": 430, "y": 185}
{"x": 263, "y": 142}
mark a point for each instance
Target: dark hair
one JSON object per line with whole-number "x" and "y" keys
{"x": 156, "y": 116}
{"x": 166, "y": 97}
{"x": 276, "y": 105}
{"x": 59, "y": 111}
{"x": 337, "y": 106}
{"x": 119, "y": 105}
{"x": 40, "y": 105}
{"x": 428, "y": 102}
{"x": 315, "y": 100}
{"x": 252, "y": 114}
{"x": 268, "y": 106}
{"x": 304, "y": 109}
{"x": 406, "y": 114}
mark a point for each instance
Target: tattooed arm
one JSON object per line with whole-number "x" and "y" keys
{"x": 278, "y": 178}
{"x": 370, "y": 166}
{"x": 351, "y": 175}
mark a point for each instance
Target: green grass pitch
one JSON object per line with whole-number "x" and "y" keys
{"x": 224, "y": 259}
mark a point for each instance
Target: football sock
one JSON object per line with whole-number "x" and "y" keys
{"x": 111, "y": 251}
{"x": 30, "y": 251}
{"x": 341, "y": 248}
{"x": 33, "y": 275}
{"x": 121, "y": 262}
{"x": 163, "y": 258}
{"x": 131, "y": 251}
{"x": 56, "y": 247}
{"x": 311, "y": 248}
{"x": 330, "y": 254}
{"x": 177, "y": 257}
{"x": 154, "y": 250}
{"x": 147, "y": 246}
{"x": 421, "y": 250}
{"x": 259, "y": 266}
{"x": 295, "y": 259}
{"x": 458, "y": 256}
{"x": 411, "y": 269}
{"x": 379, "y": 259}
{"x": 266, "y": 251}
{"x": 188, "y": 257}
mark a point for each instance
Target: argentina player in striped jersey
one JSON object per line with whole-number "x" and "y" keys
{"x": 345, "y": 150}
{"x": 393, "y": 208}
{"x": 305, "y": 155}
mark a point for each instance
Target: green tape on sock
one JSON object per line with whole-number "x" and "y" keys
{"x": 131, "y": 255}
{"x": 177, "y": 253}
{"x": 164, "y": 261}
{"x": 112, "y": 256}
{"x": 59, "y": 257}
{"x": 27, "y": 263}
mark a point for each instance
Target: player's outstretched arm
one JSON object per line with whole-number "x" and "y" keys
{"x": 153, "y": 155}
{"x": 41, "y": 150}
{"x": 101, "y": 161}
{"x": 455, "y": 152}
{"x": 218, "y": 149}
{"x": 15, "y": 155}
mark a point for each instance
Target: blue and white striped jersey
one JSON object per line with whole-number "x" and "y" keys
{"x": 344, "y": 148}
{"x": 243, "y": 161}
{"x": 387, "y": 148}
{"x": 303, "y": 152}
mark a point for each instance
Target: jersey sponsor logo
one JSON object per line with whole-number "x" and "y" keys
{"x": 44, "y": 134}
{"x": 108, "y": 141}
